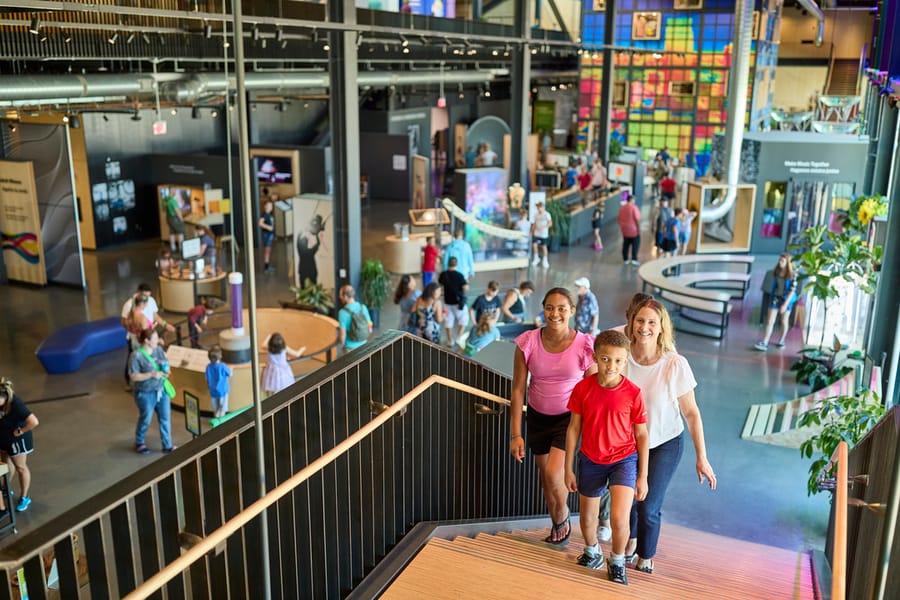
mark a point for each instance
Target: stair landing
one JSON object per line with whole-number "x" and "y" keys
{"x": 690, "y": 564}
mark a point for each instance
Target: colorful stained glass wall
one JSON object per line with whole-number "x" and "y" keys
{"x": 670, "y": 73}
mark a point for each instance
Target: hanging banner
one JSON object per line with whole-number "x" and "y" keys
{"x": 20, "y": 226}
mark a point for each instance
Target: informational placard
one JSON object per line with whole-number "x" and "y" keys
{"x": 192, "y": 413}
{"x": 20, "y": 226}
{"x": 193, "y": 359}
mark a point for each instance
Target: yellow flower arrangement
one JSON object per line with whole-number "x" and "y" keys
{"x": 863, "y": 209}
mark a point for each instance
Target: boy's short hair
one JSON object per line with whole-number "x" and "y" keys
{"x": 215, "y": 354}
{"x": 613, "y": 338}
{"x": 452, "y": 262}
{"x": 494, "y": 286}
{"x": 429, "y": 239}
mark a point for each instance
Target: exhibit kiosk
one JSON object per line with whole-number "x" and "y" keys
{"x": 181, "y": 285}
{"x": 724, "y": 220}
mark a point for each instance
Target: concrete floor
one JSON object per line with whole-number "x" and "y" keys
{"x": 84, "y": 442}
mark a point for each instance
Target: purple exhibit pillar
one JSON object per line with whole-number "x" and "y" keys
{"x": 236, "y": 280}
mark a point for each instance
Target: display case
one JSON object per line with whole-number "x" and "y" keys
{"x": 724, "y": 221}
{"x": 187, "y": 280}
{"x": 198, "y": 206}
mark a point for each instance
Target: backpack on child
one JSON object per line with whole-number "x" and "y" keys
{"x": 359, "y": 325}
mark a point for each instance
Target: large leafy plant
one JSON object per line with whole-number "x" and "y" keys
{"x": 374, "y": 283}
{"x": 316, "y": 296}
{"x": 838, "y": 418}
{"x": 826, "y": 258}
{"x": 561, "y": 219}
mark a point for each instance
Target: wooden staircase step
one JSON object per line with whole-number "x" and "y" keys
{"x": 690, "y": 564}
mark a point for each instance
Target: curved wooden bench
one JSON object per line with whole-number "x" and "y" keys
{"x": 667, "y": 278}
{"x": 736, "y": 284}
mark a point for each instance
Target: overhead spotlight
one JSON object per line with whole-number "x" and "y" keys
{"x": 326, "y": 47}
{"x": 43, "y": 37}
{"x": 462, "y": 93}
{"x": 130, "y": 38}
{"x": 405, "y": 49}
{"x": 552, "y": 88}
{"x": 424, "y": 40}
{"x": 13, "y": 126}
{"x": 255, "y": 33}
{"x": 534, "y": 50}
{"x": 284, "y": 44}
{"x": 67, "y": 37}
{"x": 404, "y": 42}
{"x": 263, "y": 43}
{"x": 487, "y": 90}
{"x": 35, "y": 26}
{"x": 281, "y": 106}
{"x": 207, "y": 31}
{"x": 145, "y": 38}
{"x": 506, "y": 50}
{"x": 306, "y": 105}
{"x": 214, "y": 113}
{"x": 279, "y": 35}
{"x": 195, "y": 112}
{"x": 174, "y": 111}
{"x": 112, "y": 39}
{"x": 359, "y": 39}
{"x": 65, "y": 119}
{"x": 657, "y": 55}
{"x": 105, "y": 118}
{"x": 162, "y": 40}
{"x": 495, "y": 52}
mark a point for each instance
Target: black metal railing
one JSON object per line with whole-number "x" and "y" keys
{"x": 442, "y": 456}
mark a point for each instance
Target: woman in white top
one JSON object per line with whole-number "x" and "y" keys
{"x": 667, "y": 384}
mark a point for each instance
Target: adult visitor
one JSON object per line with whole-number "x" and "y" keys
{"x": 148, "y": 370}
{"x": 556, "y": 357}
{"x": 16, "y": 443}
{"x": 667, "y": 384}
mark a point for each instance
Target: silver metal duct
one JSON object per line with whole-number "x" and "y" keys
{"x": 737, "y": 108}
{"x": 813, "y": 9}
{"x": 187, "y": 88}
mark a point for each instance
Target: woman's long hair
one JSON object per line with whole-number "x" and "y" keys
{"x": 788, "y": 271}
{"x": 402, "y": 289}
{"x": 6, "y": 389}
{"x": 666, "y": 340}
{"x": 485, "y": 322}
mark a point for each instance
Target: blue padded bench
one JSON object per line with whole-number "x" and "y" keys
{"x": 66, "y": 349}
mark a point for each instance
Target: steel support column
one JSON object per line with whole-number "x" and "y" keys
{"x": 344, "y": 117}
{"x": 604, "y": 125}
{"x": 520, "y": 93}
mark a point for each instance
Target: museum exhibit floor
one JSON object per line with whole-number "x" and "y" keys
{"x": 84, "y": 441}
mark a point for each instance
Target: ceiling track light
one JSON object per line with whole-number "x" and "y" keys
{"x": 146, "y": 38}
{"x": 207, "y": 31}
{"x": 214, "y": 113}
{"x": 67, "y": 37}
{"x": 279, "y": 35}
{"x": 113, "y": 38}
{"x": 254, "y": 33}
{"x": 130, "y": 38}
{"x": 136, "y": 115}
{"x": 174, "y": 111}
{"x": 35, "y": 26}
{"x": 403, "y": 41}
{"x": 43, "y": 37}
{"x": 195, "y": 112}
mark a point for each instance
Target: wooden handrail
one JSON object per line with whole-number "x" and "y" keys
{"x": 839, "y": 548}
{"x": 209, "y": 543}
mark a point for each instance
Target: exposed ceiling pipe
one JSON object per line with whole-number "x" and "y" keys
{"x": 183, "y": 88}
{"x": 737, "y": 107}
{"x": 812, "y": 8}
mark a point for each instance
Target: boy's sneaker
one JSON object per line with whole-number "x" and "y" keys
{"x": 535, "y": 262}
{"x": 24, "y": 503}
{"x": 591, "y": 561}
{"x": 616, "y": 573}
{"x": 762, "y": 346}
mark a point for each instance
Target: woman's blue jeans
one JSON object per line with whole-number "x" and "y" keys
{"x": 147, "y": 403}
{"x": 646, "y": 516}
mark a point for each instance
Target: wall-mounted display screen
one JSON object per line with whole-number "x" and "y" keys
{"x": 274, "y": 169}
{"x": 620, "y": 172}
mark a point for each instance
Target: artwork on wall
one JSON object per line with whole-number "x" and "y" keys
{"x": 620, "y": 94}
{"x": 688, "y": 4}
{"x": 599, "y": 5}
{"x": 313, "y": 240}
{"x": 646, "y": 26}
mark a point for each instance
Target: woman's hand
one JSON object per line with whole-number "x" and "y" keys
{"x": 517, "y": 447}
{"x": 704, "y": 469}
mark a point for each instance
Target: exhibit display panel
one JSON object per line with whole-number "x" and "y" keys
{"x": 198, "y": 206}
{"x": 483, "y": 194}
{"x": 277, "y": 171}
{"x": 20, "y": 224}
{"x": 724, "y": 221}
{"x": 313, "y": 240}
{"x": 499, "y": 248}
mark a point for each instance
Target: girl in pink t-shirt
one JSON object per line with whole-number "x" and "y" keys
{"x": 557, "y": 357}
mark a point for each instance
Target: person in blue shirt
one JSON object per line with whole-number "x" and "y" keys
{"x": 217, "y": 374}
{"x": 779, "y": 283}
{"x": 483, "y": 333}
{"x": 345, "y": 317}
{"x": 669, "y": 244}
{"x": 460, "y": 248}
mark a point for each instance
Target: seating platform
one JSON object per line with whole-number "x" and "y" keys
{"x": 64, "y": 350}
{"x": 691, "y": 287}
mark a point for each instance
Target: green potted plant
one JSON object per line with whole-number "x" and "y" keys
{"x": 559, "y": 231}
{"x": 836, "y": 419}
{"x": 374, "y": 287}
{"x": 615, "y": 148}
{"x": 312, "y": 296}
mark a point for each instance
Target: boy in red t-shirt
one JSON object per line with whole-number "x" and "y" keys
{"x": 430, "y": 255}
{"x": 608, "y": 415}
